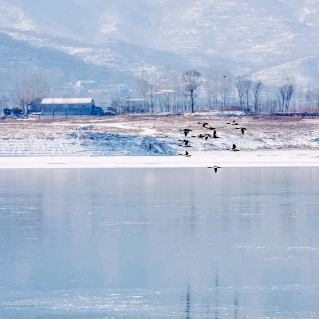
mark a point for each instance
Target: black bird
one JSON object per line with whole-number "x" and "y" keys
{"x": 186, "y": 154}
{"x": 210, "y": 128}
{"x": 205, "y": 136}
{"x": 204, "y": 124}
{"x": 234, "y": 148}
{"x": 214, "y": 135}
{"x": 214, "y": 167}
{"x": 186, "y": 131}
{"x": 242, "y": 129}
{"x": 185, "y": 143}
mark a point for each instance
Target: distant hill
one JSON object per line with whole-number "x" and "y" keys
{"x": 118, "y": 39}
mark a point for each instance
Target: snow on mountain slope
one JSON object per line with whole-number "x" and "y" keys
{"x": 304, "y": 70}
{"x": 108, "y": 63}
{"x": 12, "y": 16}
{"x": 19, "y": 57}
{"x": 257, "y": 36}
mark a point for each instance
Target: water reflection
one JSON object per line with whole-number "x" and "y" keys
{"x": 235, "y": 307}
{"x": 216, "y": 296}
{"x": 125, "y": 243}
{"x": 188, "y": 302}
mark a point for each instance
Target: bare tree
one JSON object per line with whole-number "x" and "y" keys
{"x": 179, "y": 98}
{"x": 240, "y": 84}
{"x": 317, "y": 98}
{"x": 29, "y": 87}
{"x": 218, "y": 86}
{"x": 256, "y": 91}
{"x": 166, "y": 83}
{"x": 3, "y": 103}
{"x": 192, "y": 81}
{"x": 117, "y": 104}
{"x": 226, "y": 87}
{"x": 300, "y": 96}
{"x": 165, "y": 93}
{"x": 248, "y": 85}
{"x": 271, "y": 103}
{"x": 144, "y": 88}
{"x": 312, "y": 98}
{"x": 213, "y": 88}
{"x": 286, "y": 91}
{"x": 280, "y": 101}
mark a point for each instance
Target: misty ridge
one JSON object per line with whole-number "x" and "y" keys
{"x": 122, "y": 42}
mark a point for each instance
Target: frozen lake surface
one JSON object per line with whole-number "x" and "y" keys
{"x": 159, "y": 243}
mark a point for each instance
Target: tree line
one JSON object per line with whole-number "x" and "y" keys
{"x": 193, "y": 91}
{"x": 188, "y": 91}
{"x": 28, "y": 87}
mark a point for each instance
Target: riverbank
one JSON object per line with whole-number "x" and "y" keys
{"x": 161, "y": 135}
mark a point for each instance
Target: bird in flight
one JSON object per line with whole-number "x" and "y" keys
{"x": 205, "y": 136}
{"x": 214, "y": 167}
{"x": 204, "y": 124}
{"x": 186, "y": 131}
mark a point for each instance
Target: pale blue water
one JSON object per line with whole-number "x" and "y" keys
{"x": 159, "y": 243}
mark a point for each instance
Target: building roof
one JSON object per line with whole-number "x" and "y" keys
{"x": 67, "y": 100}
{"x": 160, "y": 92}
{"x": 83, "y": 82}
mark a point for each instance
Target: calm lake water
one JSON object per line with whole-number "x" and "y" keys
{"x": 159, "y": 243}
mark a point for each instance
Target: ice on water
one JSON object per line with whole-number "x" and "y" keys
{"x": 159, "y": 243}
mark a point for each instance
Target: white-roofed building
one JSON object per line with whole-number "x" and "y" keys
{"x": 57, "y": 107}
{"x": 67, "y": 101}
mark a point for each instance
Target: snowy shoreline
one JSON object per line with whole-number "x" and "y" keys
{"x": 157, "y": 141}
{"x": 279, "y": 158}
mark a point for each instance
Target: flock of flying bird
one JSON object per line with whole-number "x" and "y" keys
{"x": 206, "y": 136}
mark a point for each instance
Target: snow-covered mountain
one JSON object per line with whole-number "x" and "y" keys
{"x": 118, "y": 39}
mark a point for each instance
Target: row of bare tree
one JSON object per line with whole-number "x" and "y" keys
{"x": 189, "y": 91}
{"x": 28, "y": 87}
